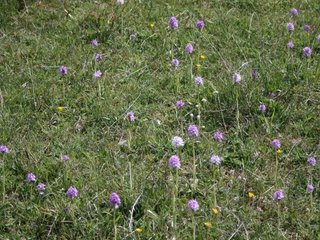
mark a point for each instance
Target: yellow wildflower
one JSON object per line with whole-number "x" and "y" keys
{"x": 152, "y": 24}
{"x": 208, "y": 224}
{"x": 198, "y": 66}
{"x": 215, "y": 210}
{"x": 250, "y": 194}
{"x": 60, "y": 108}
{"x": 279, "y": 151}
{"x": 203, "y": 57}
{"x": 138, "y": 230}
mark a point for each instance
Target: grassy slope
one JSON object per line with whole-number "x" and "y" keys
{"x": 137, "y": 76}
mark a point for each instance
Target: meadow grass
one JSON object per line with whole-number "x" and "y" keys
{"x": 109, "y": 154}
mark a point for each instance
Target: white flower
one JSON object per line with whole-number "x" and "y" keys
{"x": 97, "y": 74}
{"x": 236, "y": 78}
{"x": 198, "y": 81}
{"x": 177, "y": 142}
{"x": 215, "y": 160}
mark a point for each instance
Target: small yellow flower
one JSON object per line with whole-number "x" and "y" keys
{"x": 250, "y": 194}
{"x": 279, "y": 151}
{"x": 198, "y": 66}
{"x": 215, "y": 210}
{"x": 138, "y": 230}
{"x": 208, "y": 224}
{"x": 60, "y": 108}
{"x": 152, "y": 24}
{"x": 203, "y": 57}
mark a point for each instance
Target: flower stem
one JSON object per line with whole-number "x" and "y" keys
{"x": 63, "y": 90}
{"x": 129, "y": 139}
{"x": 3, "y": 181}
{"x": 311, "y": 203}
{"x": 191, "y": 66}
{"x": 194, "y": 166}
{"x": 311, "y": 198}
{"x": 177, "y": 83}
{"x": 276, "y": 171}
{"x": 238, "y": 113}
{"x": 130, "y": 176}
{"x": 174, "y": 193}
{"x": 115, "y": 225}
{"x": 193, "y": 227}
{"x": 278, "y": 219}
{"x": 214, "y": 188}
{"x": 99, "y": 88}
